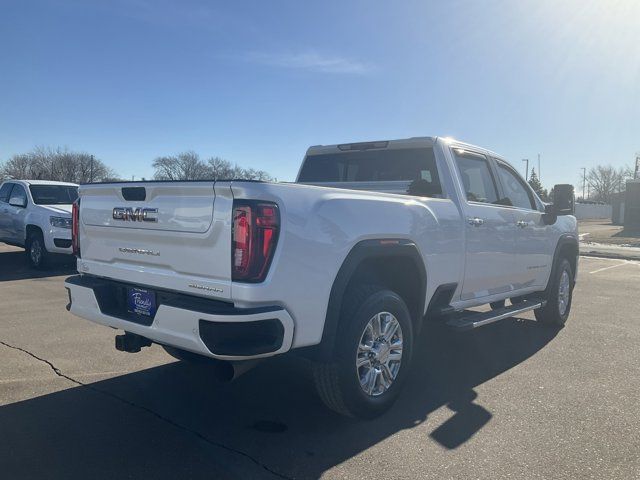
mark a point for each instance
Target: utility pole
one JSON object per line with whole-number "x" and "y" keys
{"x": 526, "y": 176}
{"x": 584, "y": 181}
{"x": 539, "y": 175}
{"x": 91, "y": 170}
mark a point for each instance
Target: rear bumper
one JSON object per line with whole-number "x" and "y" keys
{"x": 211, "y": 328}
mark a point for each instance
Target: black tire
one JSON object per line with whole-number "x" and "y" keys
{"x": 552, "y": 313}
{"x": 338, "y": 383}
{"x": 37, "y": 255}
{"x": 497, "y": 305}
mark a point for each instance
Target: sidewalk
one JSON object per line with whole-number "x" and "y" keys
{"x": 599, "y": 238}
{"x": 609, "y": 251}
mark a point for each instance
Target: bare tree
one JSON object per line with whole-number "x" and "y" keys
{"x": 184, "y": 166}
{"x": 220, "y": 168}
{"x": 604, "y": 181}
{"x": 44, "y": 163}
{"x": 189, "y": 166}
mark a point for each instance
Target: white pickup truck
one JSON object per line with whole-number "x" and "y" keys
{"x": 343, "y": 266}
{"x": 36, "y": 215}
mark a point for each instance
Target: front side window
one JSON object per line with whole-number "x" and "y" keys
{"x": 515, "y": 191}
{"x": 477, "y": 180}
{"x": 18, "y": 195}
{"x": 53, "y": 194}
{"x": 5, "y": 191}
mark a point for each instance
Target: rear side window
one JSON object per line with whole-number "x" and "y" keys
{"x": 415, "y": 165}
{"x": 5, "y": 191}
{"x": 477, "y": 179}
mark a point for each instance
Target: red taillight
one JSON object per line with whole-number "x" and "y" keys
{"x": 255, "y": 235}
{"x": 75, "y": 228}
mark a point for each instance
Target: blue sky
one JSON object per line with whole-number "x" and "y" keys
{"x": 258, "y": 82}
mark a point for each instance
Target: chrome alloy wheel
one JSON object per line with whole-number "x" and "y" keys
{"x": 35, "y": 251}
{"x": 564, "y": 290}
{"x": 379, "y": 354}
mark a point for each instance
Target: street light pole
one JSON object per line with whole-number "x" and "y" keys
{"x": 584, "y": 181}
{"x": 526, "y": 175}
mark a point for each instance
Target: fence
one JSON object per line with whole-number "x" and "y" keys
{"x": 586, "y": 211}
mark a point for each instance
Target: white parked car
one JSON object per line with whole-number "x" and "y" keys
{"x": 343, "y": 267}
{"x": 36, "y": 215}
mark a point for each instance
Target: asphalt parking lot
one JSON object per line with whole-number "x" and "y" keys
{"x": 511, "y": 400}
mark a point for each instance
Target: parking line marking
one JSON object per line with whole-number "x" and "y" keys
{"x": 610, "y": 266}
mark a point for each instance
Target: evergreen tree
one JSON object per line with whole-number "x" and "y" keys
{"x": 534, "y": 182}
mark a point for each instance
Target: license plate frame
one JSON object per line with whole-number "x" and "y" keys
{"x": 141, "y": 301}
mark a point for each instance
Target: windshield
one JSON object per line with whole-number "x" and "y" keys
{"x": 53, "y": 194}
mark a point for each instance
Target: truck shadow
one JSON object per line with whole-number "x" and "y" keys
{"x": 170, "y": 421}
{"x": 13, "y": 266}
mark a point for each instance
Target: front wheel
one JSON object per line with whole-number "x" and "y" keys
{"x": 372, "y": 354}
{"x": 37, "y": 254}
{"x": 559, "y": 296}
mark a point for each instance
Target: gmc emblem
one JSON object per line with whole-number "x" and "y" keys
{"x": 135, "y": 214}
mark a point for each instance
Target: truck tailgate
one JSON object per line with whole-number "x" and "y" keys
{"x": 168, "y": 235}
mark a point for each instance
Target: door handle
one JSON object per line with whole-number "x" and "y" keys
{"x": 475, "y": 221}
{"x": 522, "y": 223}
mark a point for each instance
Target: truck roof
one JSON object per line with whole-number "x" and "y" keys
{"x": 40, "y": 182}
{"x": 390, "y": 144}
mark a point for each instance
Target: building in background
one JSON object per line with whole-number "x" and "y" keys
{"x": 626, "y": 207}
{"x": 632, "y": 206}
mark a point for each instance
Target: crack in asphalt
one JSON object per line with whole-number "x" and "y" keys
{"x": 167, "y": 420}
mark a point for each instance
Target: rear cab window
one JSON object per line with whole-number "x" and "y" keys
{"x": 416, "y": 166}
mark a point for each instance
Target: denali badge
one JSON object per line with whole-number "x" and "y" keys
{"x": 205, "y": 288}
{"x": 139, "y": 251}
{"x": 135, "y": 214}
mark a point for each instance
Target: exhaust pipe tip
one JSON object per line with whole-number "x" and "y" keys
{"x": 227, "y": 371}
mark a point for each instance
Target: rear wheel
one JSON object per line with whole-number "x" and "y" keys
{"x": 37, "y": 254}
{"x": 559, "y": 296}
{"x": 372, "y": 354}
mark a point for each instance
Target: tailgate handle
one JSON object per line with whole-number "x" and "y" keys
{"x": 134, "y": 194}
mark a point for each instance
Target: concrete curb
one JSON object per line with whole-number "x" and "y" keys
{"x": 587, "y": 251}
{"x": 608, "y": 255}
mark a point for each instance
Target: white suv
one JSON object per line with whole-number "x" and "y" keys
{"x": 36, "y": 215}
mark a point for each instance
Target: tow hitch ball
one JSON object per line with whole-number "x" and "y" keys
{"x": 130, "y": 342}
